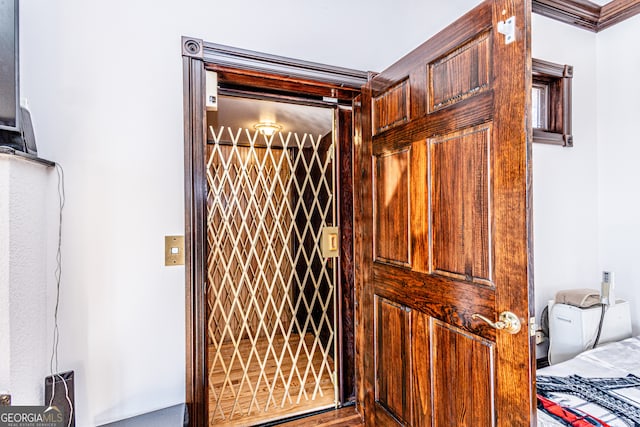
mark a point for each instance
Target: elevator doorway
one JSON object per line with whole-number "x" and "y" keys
{"x": 270, "y": 292}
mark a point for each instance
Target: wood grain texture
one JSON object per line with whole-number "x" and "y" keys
{"x": 617, "y": 11}
{"x": 511, "y": 171}
{"x": 557, "y": 79}
{"x": 462, "y": 378}
{"x": 419, "y": 215}
{"x": 383, "y": 417}
{"x": 460, "y": 74}
{"x": 360, "y": 264}
{"x": 476, "y": 147}
{"x": 460, "y": 182}
{"x": 467, "y": 113}
{"x": 391, "y": 108}
{"x": 343, "y": 417}
{"x": 195, "y": 306}
{"x": 363, "y": 249}
{"x": 421, "y": 399}
{"x": 580, "y": 13}
{"x": 392, "y": 358}
{"x": 392, "y": 195}
{"x": 449, "y": 300}
{"x": 346, "y": 296}
{"x": 403, "y": 380}
{"x": 419, "y": 93}
{"x": 278, "y": 84}
{"x": 289, "y": 68}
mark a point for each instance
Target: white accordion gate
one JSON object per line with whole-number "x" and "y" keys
{"x": 270, "y": 293}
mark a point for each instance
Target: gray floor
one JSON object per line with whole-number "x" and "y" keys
{"x": 173, "y": 416}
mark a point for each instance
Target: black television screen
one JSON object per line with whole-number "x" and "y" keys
{"x": 9, "y": 86}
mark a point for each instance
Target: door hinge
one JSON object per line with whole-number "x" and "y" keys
{"x": 508, "y": 28}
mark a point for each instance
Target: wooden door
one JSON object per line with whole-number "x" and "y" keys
{"x": 442, "y": 175}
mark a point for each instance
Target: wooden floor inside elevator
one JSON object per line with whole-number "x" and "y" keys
{"x": 343, "y": 417}
{"x": 268, "y": 380}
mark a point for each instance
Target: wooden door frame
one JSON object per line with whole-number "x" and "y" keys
{"x": 281, "y": 77}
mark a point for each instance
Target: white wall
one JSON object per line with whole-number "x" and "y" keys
{"x": 618, "y": 154}
{"x": 565, "y": 180}
{"x": 586, "y": 198}
{"x": 24, "y": 221}
{"x": 104, "y": 81}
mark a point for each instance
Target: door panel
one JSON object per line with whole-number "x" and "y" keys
{"x": 442, "y": 211}
{"x": 392, "y": 326}
{"x": 392, "y": 243}
{"x": 460, "y": 197}
{"x": 402, "y": 387}
{"x": 391, "y": 108}
{"x": 460, "y": 74}
{"x": 462, "y": 377}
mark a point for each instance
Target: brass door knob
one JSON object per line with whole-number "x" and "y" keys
{"x": 508, "y": 322}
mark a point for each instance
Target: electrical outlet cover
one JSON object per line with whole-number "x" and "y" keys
{"x": 5, "y": 399}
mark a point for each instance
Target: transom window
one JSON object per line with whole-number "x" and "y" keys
{"x": 551, "y": 103}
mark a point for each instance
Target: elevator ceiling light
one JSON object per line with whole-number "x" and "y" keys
{"x": 267, "y": 128}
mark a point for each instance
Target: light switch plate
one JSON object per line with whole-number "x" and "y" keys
{"x": 329, "y": 243}
{"x": 173, "y": 250}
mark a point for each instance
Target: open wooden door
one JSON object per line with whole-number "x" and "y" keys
{"x": 442, "y": 180}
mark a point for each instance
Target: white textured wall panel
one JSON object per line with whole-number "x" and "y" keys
{"x": 23, "y": 281}
{"x": 5, "y": 331}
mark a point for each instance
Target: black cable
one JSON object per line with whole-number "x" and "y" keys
{"x": 544, "y": 321}
{"x": 53, "y": 363}
{"x": 603, "y": 310}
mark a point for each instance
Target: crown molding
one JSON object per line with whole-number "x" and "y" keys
{"x": 617, "y": 11}
{"x": 581, "y": 13}
{"x": 585, "y": 14}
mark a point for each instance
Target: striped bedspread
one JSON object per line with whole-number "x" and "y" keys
{"x": 597, "y": 387}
